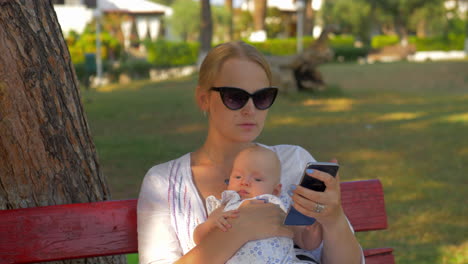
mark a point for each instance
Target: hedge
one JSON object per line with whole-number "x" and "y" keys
{"x": 444, "y": 43}
{"x": 164, "y": 54}
{"x": 451, "y": 42}
{"x": 380, "y": 41}
{"x": 343, "y": 46}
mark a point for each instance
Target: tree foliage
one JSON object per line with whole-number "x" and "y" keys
{"x": 185, "y": 20}
{"x": 351, "y": 16}
{"x": 364, "y": 18}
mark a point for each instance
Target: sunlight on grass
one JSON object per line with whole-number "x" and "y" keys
{"x": 457, "y": 118}
{"x": 421, "y": 224}
{"x": 399, "y": 116}
{"x": 463, "y": 151}
{"x": 331, "y": 105}
{"x": 191, "y": 128}
{"x": 369, "y": 154}
{"x": 288, "y": 120}
{"x": 135, "y": 85}
{"x": 417, "y": 125}
{"x": 454, "y": 254}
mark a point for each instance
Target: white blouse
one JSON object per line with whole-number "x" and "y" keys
{"x": 278, "y": 250}
{"x": 169, "y": 206}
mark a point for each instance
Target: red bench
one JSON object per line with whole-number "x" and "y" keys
{"x": 109, "y": 228}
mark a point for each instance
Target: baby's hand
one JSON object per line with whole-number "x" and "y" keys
{"x": 219, "y": 218}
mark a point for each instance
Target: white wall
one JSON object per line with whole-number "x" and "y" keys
{"x": 73, "y": 17}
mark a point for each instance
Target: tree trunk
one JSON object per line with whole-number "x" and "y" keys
{"x": 206, "y": 30}
{"x": 47, "y": 156}
{"x": 421, "y": 29}
{"x": 229, "y": 7}
{"x": 260, "y": 7}
{"x": 309, "y": 18}
{"x": 401, "y": 29}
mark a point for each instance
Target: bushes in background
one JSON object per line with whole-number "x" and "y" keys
{"x": 163, "y": 54}
{"x": 166, "y": 54}
{"x": 343, "y": 46}
{"x": 380, "y": 41}
{"x": 444, "y": 43}
{"x": 450, "y": 42}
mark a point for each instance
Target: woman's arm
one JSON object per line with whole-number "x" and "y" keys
{"x": 216, "y": 247}
{"x": 257, "y": 220}
{"x": 308, "y": 237}
{"x": 339, "y": 243}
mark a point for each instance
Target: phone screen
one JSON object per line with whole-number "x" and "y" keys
{"x": 293, "y": 216}
{"x": 318, "y": 185}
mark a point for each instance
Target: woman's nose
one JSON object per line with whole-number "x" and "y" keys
{"x": 248, "y": 108}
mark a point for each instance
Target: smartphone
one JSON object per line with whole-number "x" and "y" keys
{"x": 314, "y": 184}
{"x": 294, "y": 217}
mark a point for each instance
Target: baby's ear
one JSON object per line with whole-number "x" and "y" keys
{"x": 277, "y": 190}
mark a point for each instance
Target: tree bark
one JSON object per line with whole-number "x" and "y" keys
{"x": 206, "y": 30}
{"x": 309, "y": 18}
{"x": 47, "y": 155}
{"x": 260, "y": 7}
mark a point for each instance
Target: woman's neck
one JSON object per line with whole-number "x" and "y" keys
{"x": 222, "y": 153}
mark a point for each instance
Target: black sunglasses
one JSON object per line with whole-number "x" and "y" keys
{"x": 236, "y": 98}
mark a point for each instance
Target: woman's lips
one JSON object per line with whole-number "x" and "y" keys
{"x": 247, "y": 125}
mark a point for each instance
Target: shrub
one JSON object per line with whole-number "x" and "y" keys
{"x": 164, "y": 54}
{"x": 280, "y": 47}
{"x": 380, "y": 41}
{"x": 350, "y": 53}
{"x": 451, "y": 42}
{"x": 342, "y": 41}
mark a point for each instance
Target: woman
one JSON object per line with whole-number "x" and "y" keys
{"x": 234, "y": 90}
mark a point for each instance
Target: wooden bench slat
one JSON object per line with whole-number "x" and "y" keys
{"x": 68, "y": 231}
{"x": 364, "y": 205}
{"x": 379, "y": 256}
{"x": 110, "y": 227}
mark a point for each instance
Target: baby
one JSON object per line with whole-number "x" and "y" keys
{"x": 256, "y": 175}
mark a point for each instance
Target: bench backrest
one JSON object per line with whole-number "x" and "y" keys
{"x": 107, "y": 228}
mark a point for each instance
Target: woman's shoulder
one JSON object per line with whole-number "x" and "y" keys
{"x": 161, "y": 171}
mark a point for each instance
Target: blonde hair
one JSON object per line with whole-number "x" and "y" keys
{"x": 217, "y": 56}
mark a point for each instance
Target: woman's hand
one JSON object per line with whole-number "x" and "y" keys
{"x": 339, "y": 243}
{"x": 323, "y": 206}
{"x": 260, "y": 220}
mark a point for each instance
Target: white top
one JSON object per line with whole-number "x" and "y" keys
{"x": 279, "y": 250}
{"x": 169, "y": 206}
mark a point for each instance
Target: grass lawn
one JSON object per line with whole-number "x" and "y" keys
{"x": 403, "y": 123}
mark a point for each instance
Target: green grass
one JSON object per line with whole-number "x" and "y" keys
{"x": 405, "y": 124}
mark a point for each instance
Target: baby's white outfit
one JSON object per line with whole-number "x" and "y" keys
{"x": 271, "y": 250}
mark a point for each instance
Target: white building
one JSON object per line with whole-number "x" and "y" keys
{"x": 286, "y": 6}
{"x": 76, "y": 14}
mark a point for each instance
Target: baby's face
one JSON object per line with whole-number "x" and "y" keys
{"x": 253, "y": 174}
